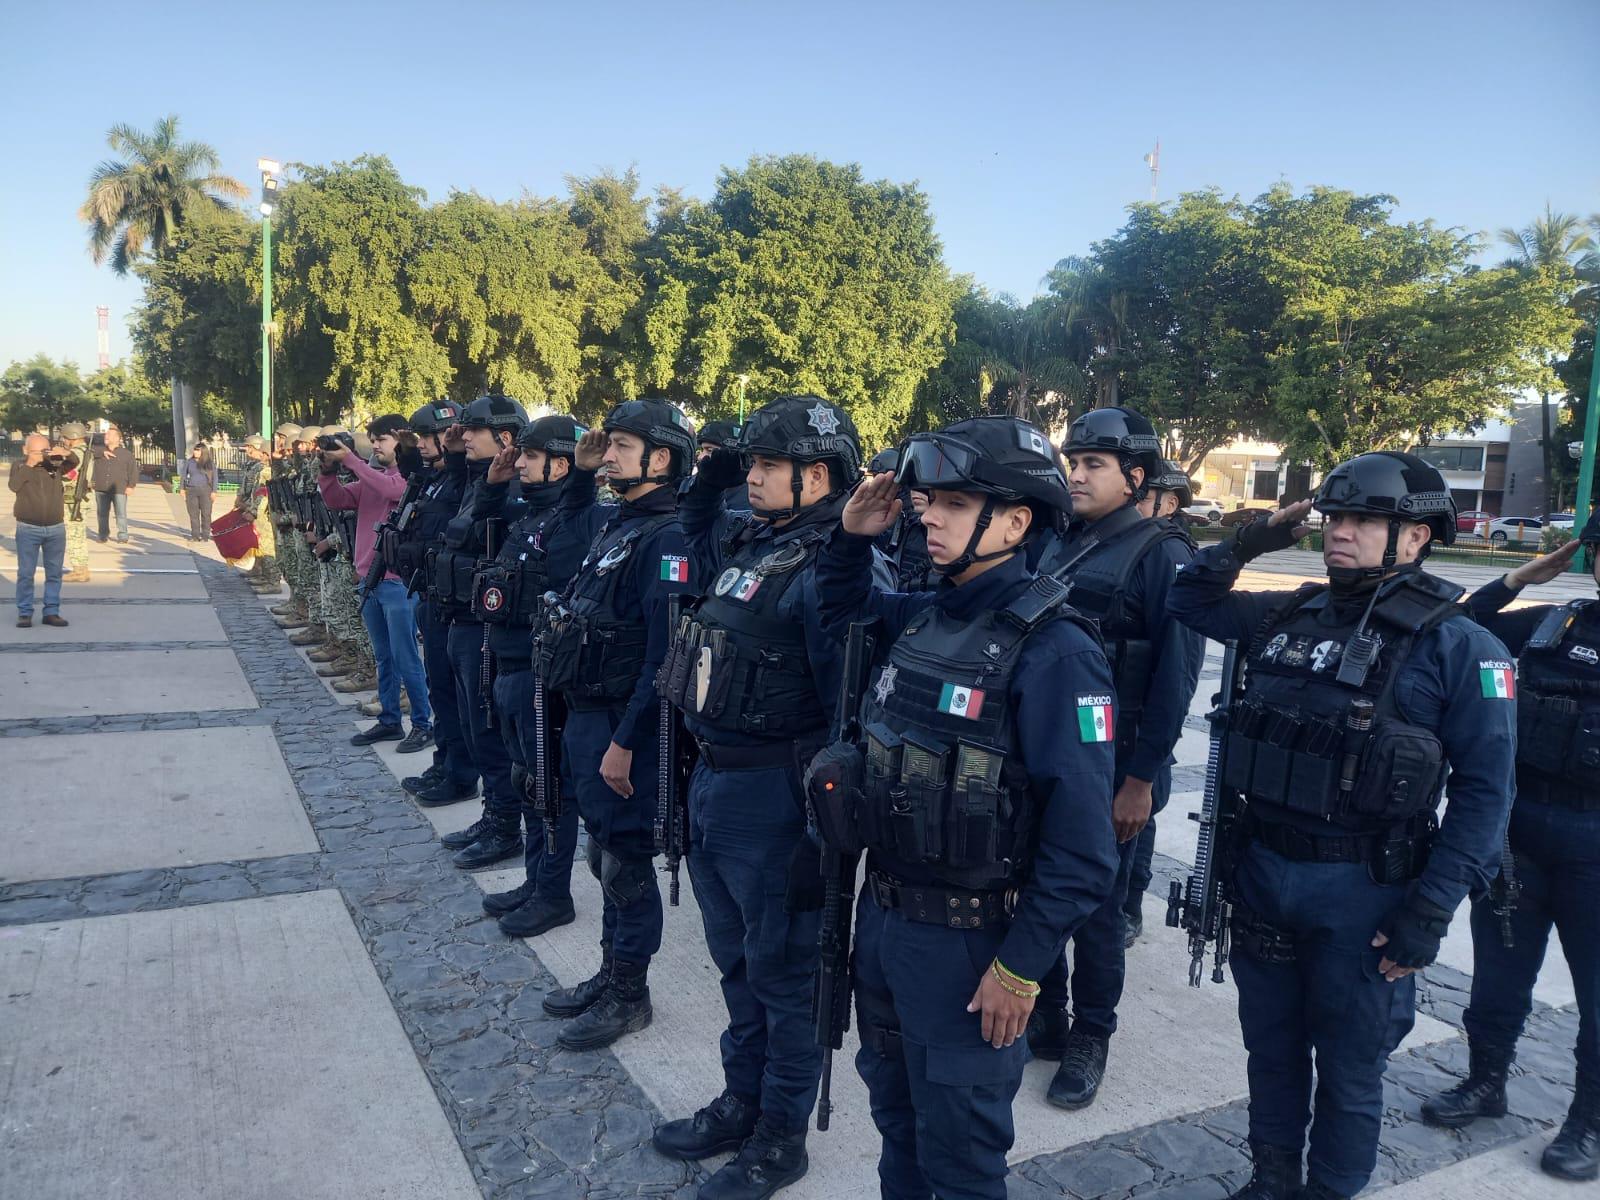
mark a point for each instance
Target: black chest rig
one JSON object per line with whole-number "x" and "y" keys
{"x": 736, "y": 664}
{"x": 406, "y": 549}
{"x": 1558, "y": 709}
{"x": 509, "y": 590}
{"x": 584, "y": 645}
{"x": 1316, "y": 735}
{"x": 1098, "y": 570}
{"x": 945, "y": 794}
{"x": 453, "y": 563}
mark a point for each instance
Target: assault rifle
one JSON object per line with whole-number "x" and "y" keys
{"x": 1199, "y": 906}
{"x": 837, "y": 771}
{"x": 674, "y": 765}
{"x": 395, "y": 522}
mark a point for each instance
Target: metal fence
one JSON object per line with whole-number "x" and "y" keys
{"x": 1469, "y": 549}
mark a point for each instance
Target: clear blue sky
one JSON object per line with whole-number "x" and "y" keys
{"x": 1026, "y": 123}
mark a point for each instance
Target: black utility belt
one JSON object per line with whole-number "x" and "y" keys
{"x": 954, "y": 908}
{"x": 757, "y": 757}
{"x": 1561, "y": 795}
{"x": 1299, "y": 846}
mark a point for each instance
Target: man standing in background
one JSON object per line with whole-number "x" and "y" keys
{"x": 116, "y": 473}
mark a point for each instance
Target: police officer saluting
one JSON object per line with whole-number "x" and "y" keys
{"x": 987, "y": 824}
{"x": 488, "y": 426}
{"x": 1358, "y": 696}
{"x": 1555, "y": 837}
{"x": 1119, "y": 566}
{"x": 542, "y": 548}
{"x": 755, "y": 677}
{"x": 600, "y": 646}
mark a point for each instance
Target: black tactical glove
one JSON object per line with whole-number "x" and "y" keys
{"x": 722, "y": 469}
{"x": 803, "y": 891}
{"x": 1257, "y": 537}
{"x": 1415, "y": 930}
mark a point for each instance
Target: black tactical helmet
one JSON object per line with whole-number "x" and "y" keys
{"x": 884, "y": 460}
{"x": 556, "y": 435}
{"x": 804, "y": 429}
{"x": 1387, "y": 483}
{"x": 495, "y": 412}
{"x": 435, "y": 417}
{"x": 1173, "y": 478}
{"x": 1001, "y": 458}
{"x": 1123, "y": 432}
{"x": 662, "y": 425}
{"x": 719, "y": 433}
{"x": 1589, "y": 535}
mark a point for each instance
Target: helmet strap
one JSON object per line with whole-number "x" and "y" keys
{"x": 970, "y": 556}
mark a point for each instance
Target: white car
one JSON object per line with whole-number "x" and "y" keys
{"x": 1205, "y": 512}
{"x": 1517, "y": 530}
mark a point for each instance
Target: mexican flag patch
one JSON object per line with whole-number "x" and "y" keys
{"x": 1095, "y": 722}
{"x": 961, "y": 701}
{"x": 674, "y": 568}
{"x": 1498, "y": 680}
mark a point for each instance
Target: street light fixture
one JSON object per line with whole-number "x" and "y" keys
{"x": 743, "y": 379}
{"x": 269, "y": 193}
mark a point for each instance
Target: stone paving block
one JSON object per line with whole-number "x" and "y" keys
{"x": 1510, "y": 1173}
{"x": 134, "y": 681}
{"x": 153, "y": 622}
{"x": 444, "y": 818}
{"x": 243, "y": 1050}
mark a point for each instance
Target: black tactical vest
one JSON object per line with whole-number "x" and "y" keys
{"x": 735, "y": 664}
{"x": 406, "y": 549}
{"x": 945, "y": 791}
{"x": 584, "y": 647}
{"x": 1099, "y": 576}
{"x": 1558, "y": 709}
{"x": 453, "y": 563}
{"x": 508, "y": 591}
{"x": 1301, "y": 741}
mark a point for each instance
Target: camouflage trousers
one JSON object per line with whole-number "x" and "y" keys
{"x": 77, "y": 546}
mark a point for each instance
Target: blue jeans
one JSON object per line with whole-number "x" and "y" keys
{"x": 103, "y": 504}
{"x": 1558, "y": 865}
{"x": 391, "y": 620}
{"x": 31, "y": 540}
{"x": 1328, "y": 1003}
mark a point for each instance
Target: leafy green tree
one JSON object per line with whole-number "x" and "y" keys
{"x": 43, "y": 393}
{"x": 614, "y": 222}
{"x": 138, "y": 203}
{"x": 1554, "y": 245}
{"x": 803, "y": 276}
{"x": 125, "y": 395}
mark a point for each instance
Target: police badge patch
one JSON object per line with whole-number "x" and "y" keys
{"x": 726, "y": 580}
{"x": 884, "y": 688}
{"x": 493, "y": 598}
{"x": 823, "y": 419}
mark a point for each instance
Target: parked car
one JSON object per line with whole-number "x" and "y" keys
{"x": 1240, "y": 516}
{"x": 1474, "y": 522}
{"x": 1516, "y": 529}
{"x": 1205, "y": 512}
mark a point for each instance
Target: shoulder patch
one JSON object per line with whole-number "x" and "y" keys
{"x": 674, "y": 568}
{"x": 1095, "y": 720}
{"x": 1497, "y": 679}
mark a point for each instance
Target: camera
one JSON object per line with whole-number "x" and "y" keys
{"x": 334, "y": 441}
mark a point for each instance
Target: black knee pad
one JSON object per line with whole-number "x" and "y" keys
{"x": 625, "y": 881}
{"x": 592, "y": 855}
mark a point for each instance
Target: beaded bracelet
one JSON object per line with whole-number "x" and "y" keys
{"x": 995, "y": 969}
{"x": 1013, "y": 976}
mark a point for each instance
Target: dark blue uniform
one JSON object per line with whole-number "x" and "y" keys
{"x": 540, "y": 528}
{"x": 1555, "y": 836}
{"x": 1307, "y": 974}
{"x": 1154, "y": 688}
{"x": 941, "y": 1095}
{"x": 623, "y": 594}
{"x": 441, "y": 500}
{"x": 746, "y": 804}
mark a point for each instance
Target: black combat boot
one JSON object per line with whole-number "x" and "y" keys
{"x": 720, "y": 1126}
{"x": 500, "y": 840}
{"x": 414, "y": 783}
{"x": 1083, "y": 1066}
{"x": 444, "y": 792}
{"x": 498, "y": 904}
{"x": 623, "y": 1008}
{"x": 1317, "y": 1190}
{"x": 1133, "y": 920}
{"x": 1575, "y": 1154}
{"x": 462, "y": 838}
{"x": 1047, "y": 1031}
{"x": 1481, "y": 1094}
{"x": 1276, "y": 1175}
{"x": 768, "y": 1160}
{"x": 574, "y": 1001}
{"x": 537, "y": 915}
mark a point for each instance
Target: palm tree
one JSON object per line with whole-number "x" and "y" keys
{"x": 1551, "y": 243}
{"x": 1095, "y": 313}
{"x": 138, "y": 203}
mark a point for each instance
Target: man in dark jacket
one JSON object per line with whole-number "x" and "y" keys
{"x": 116, "y": 473}
{"x": 39, "y": 509}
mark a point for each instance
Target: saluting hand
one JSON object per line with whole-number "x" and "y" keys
{"x": 591, "y": 452}
{"x": 873, "y": 506}
{"x": 504, "y": 465}
{"x": 1544, "y": 568}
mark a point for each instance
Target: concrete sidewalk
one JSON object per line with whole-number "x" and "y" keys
{"x": 235, "y": 961}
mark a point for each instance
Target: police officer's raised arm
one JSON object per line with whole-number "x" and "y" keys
{"x": 845, "y": 590}
{"x": 1203, "y": 595}
{"x": 1516, "y": 627}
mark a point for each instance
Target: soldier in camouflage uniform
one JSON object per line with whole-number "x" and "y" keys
{"x": 257, "y": 473}
{"x": 75, "y": 435}
{"x": 280, "y": 500}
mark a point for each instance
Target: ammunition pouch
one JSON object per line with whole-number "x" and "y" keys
{"x": 834, "y": 783}
{"x": 1559, "y": 735}
{"x": 1256, "y": 939}
{"x": 586, "y": 658}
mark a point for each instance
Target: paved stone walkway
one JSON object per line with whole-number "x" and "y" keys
{"x": 234, "y": 960}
